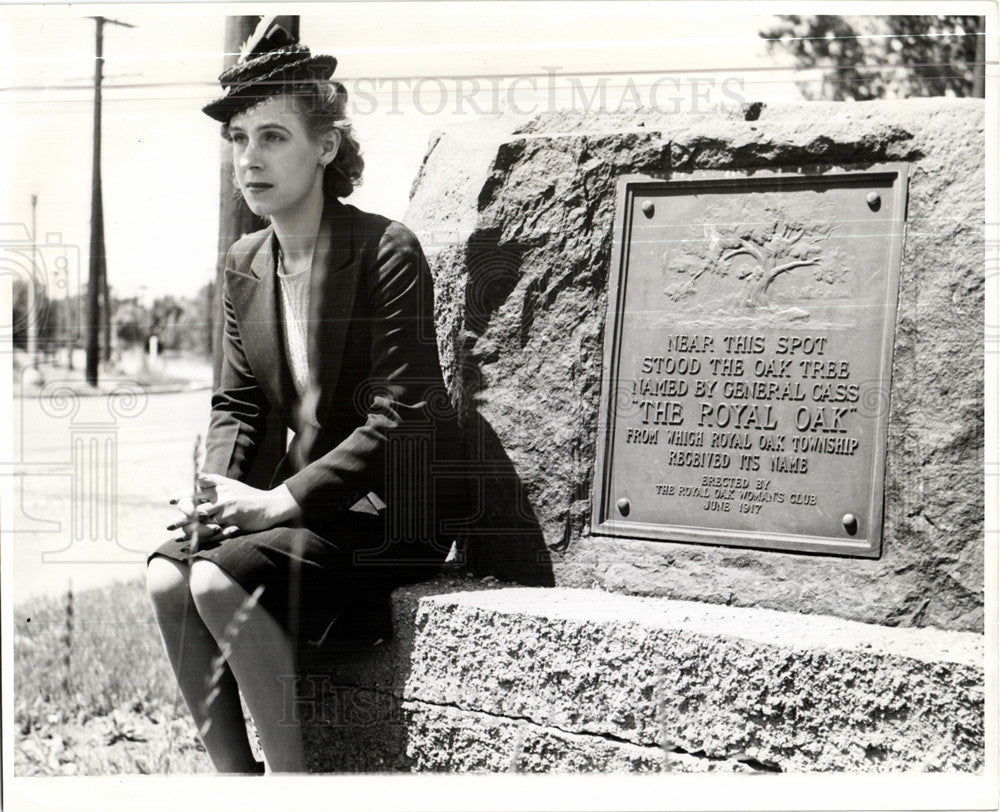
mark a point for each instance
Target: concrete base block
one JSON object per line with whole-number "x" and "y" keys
{"x": 582, "y": 680}
{"x": 442, "y": 739}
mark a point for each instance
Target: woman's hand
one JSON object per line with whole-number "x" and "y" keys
{"x": 231, "y": 503}
{"x": 197, "y": 520}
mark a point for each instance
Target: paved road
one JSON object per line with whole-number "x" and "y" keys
{"x": 91, "y": 485}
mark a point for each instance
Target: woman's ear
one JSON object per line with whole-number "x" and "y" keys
{"x": 331, "y": 144}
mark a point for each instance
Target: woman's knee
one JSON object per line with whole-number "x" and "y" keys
{"x": 167, "y": 584}
{"x": 216, "y": 596}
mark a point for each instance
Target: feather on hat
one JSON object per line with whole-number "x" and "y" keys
{"x": 271, "y": 61}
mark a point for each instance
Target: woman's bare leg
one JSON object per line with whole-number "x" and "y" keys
{"x": 261, "y": 655}
{"x": 205, "y": 681}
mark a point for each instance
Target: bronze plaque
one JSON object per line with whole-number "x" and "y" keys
{"x": 747, "y": 359}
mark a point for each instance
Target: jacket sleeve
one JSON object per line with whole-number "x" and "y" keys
{"x": 404, "y": 386}
{"x": 239, "y": 407}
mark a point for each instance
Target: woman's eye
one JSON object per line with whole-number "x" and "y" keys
{"x": 273, "y": 137}
{"x": 238, "y": 138}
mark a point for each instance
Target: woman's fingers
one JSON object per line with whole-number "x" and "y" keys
{"x": 199, "y": 515}
{"x": 207, "y": 531}
{"x": 210, "y": 482}
{"x": 186, "y": 504}
{"x": 188, "y": 523}
{"x": 227, "y": 502}
{"x": 211, "y": 508}
{"x": 193, "y": 514}
{"x": 209, "y": 512}
{"x": 213, "y": 532}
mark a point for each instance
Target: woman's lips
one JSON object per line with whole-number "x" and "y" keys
{"x": 258, "y": 187}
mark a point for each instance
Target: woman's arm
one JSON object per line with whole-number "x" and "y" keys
{"x": 404, "y": 386}
{"x": 236, "y": 433}
{"x": 239, "y": 406}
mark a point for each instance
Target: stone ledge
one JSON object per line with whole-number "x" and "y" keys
{"x": 767, "y": 626}
{"x": 803, "y": 693}
{"x": 445, "y": 739}
{"x": 790, "y": 692}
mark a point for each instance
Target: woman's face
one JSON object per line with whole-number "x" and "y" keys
{"x": 279, "y": 166}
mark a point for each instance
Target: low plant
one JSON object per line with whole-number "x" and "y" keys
{"x": 93, "y": 691}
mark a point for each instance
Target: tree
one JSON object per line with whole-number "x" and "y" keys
{"x": 43, "y": 316}
{"x": 19, "y": 313}
{"x": 131, "y": 322}
{"x": 888, "y": 57}
{"x": 179, "y": 323}
{"x": 730, "y": 260}
{"x": 773, "y": 253}
{"x": 167, "y": 312}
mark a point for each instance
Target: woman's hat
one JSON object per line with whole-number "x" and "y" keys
{"x": 271, "y": 61}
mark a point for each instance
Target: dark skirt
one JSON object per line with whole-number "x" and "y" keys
{"x": 325, "y": 590}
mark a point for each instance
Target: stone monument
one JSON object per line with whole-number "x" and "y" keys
{"x": 721, "y": 383}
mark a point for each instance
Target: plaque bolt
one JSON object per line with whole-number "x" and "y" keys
{"x": 648, "y": 208}
{"x": 850, "y": 523}
{"x": 623, "y": 506}
{"x": 874, "y": 200}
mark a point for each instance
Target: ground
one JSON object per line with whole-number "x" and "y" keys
{"x": 93, "y": 693}
{"x": 143, "y": 440}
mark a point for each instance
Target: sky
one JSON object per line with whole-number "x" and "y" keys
{"x": 411, "y": 69}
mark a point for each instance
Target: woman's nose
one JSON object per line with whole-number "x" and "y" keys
{"x": 250, "y": 158}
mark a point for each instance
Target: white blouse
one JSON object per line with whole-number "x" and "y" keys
{"x": 295, "y": 317}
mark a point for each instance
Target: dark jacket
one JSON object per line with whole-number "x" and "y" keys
{"x": 387, "y": 430}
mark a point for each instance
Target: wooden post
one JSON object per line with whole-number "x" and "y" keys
{"x": 235, "y": 219}
{"x": 979, "y": 69}
{"x": 32, "y": 324}
{"x": 97, "y": 282}
{"x": 96, "y": 222}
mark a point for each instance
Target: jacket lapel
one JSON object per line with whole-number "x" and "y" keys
{"x": 255, "y": 299}
{"x": 332, "y": 292}
{"x": 331, "y": 304}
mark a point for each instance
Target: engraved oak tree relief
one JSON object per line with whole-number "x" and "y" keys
{"x": 739, "y": 255}
{"x": 782, "y": 245}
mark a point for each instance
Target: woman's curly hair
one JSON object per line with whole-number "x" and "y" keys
{"x": 322, "y": 105}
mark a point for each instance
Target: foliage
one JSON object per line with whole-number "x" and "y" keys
{"x": 131, "y": 323}
{"x": 93, "y": 692}
{"x": 179, "y": 323}
{"x": 883, "y": 57}
{"x": 49, "y": 315}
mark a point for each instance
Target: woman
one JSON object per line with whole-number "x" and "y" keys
{"x": 328, "y": 333}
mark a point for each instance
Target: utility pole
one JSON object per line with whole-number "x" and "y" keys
{"x": 32, "y": 294}
{"x": 979, "y": 68}
{"x": 235, "y": 218}
{"x": 105, "y": 308}
{"x": 97, "y": 280}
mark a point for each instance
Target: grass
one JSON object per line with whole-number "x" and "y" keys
{"x": 93, "y": 691}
